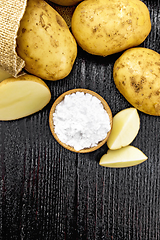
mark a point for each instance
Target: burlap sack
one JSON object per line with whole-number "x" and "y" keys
{"x": 11, "y": 12}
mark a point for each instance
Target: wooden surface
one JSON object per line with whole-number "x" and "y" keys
{"x": 48, "y": 192}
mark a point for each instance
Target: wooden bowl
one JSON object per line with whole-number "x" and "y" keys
{"x": 51, "y": 123}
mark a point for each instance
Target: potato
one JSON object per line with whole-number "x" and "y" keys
{"x": 22, "y": 96}
{"x": 104, "y": 27}
{"x": 45, "y": 42}
{"x": 136, "y": 74}
{"x": 66, "y": 2}
{"x": 126, "y": 124}
{"x": 124, "y": 157}
{"x": 4, "y": 75}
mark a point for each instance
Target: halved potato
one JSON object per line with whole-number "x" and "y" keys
{"x": 126, "y": 124}
{"x": 22, "y": 96}
{"x": 124, "y": 157}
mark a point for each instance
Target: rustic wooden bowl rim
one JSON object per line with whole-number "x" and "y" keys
{"x": 59, "y": 99}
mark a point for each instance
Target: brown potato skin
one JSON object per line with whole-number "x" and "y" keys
{"x": 136, "y": 75}
{"x": 66, "y": 2}
{"x": 105, "y": 27}
{"x": 45, "y": 42}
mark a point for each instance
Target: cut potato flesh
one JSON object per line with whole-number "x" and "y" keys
{"x": 4, "y": 75}
{"x": 124, "y": 157}
{"x": 126, "y": 124}
{"x": 22, "y": 96}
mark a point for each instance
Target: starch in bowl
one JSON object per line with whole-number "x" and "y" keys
{"x": 80, "y": 120}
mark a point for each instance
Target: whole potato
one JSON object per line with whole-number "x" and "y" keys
{"x": 104, "y": 27}
{"x": 66, "y": 2}
{"x": 137, "y": 76}
{"x": 45, "y": 42}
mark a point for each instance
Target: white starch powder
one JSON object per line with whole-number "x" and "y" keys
{"x": 81, "y": 121}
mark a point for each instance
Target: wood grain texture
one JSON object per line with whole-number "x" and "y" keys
{"x": 48, "y": 192}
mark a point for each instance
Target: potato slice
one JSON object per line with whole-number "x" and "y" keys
{"x": 124, "y": 157}
{"x": 126, "y": 124}
{"x": 4, "y": 75}
{"x": 22, "y": 96}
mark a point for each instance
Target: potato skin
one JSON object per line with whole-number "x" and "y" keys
{"x": 66, "y": 2}
{"x": 136, "y": 74}
{"x": 104, "y": 27}
{"x": 45, "y": 42}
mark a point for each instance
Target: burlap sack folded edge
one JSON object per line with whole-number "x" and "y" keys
{"x": 11, "y": 13}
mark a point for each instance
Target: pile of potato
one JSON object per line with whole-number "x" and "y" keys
{"x": 100, "y": 27}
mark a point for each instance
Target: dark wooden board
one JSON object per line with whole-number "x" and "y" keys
{"x": 48, "y": 192}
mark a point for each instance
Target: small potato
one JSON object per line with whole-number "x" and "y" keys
{"x": 125, "y": 157}
{"x": 137, "y": 76}
{"x": 66, "y": 2}
{"x": 45, "y": 42}
{"x": 22, "y": 96}
{"x": 104, "y": 27}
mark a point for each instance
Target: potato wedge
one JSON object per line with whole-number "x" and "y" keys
{"x": 126, "y": 124}
{"x": 22, "y": 96}
{"x": 124, "y": 157}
